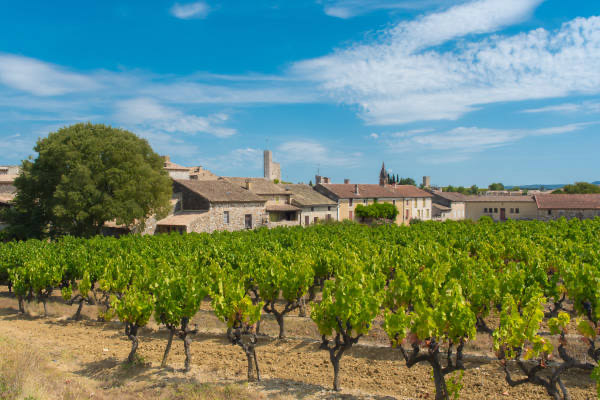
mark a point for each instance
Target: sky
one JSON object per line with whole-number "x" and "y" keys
{"x": 465, "y": 91}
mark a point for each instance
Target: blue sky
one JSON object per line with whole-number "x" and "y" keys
{"x": 471, "y": 91}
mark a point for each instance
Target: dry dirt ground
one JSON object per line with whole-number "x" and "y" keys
{"x": 55, "y": 357}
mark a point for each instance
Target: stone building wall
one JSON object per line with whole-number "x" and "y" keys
{"x": 319, "y": 212}
{"x": 190, "y": 199}
{"x": 475, "y": 210}
{"x": 549, "y": 215}
{"x": 214, "y": 219}
{"x": 7, "y": 188}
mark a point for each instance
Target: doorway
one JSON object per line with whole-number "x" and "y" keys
{"x": 248, "y": 221}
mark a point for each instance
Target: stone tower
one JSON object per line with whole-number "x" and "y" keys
{"x": 272, "y": 170}
{"x": 383, "y": 176}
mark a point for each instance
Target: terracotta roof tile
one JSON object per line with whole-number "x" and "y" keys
{"x": 183, "y": 219}
{"x": 258, "y": 185}
{"x": 348, "y": 191}
{"x": 568, "y": 201}
{"x": 306, "y": 195}
{"x": 505, "y": 199}
{"x": 282, "y": 207}
{"x": 220, "y": 191}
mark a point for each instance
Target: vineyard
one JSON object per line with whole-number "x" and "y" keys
{"x": 532, "y": 288}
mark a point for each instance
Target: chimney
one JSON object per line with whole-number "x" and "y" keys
{"x": 248, "y": 184}
{"x": 346, "y": 181}
{"x": 326, "y": 180}
{"x": 356, "y": 189}
{"x": 318, "y": 179}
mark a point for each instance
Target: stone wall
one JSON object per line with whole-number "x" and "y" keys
{"x": 7, "y": 188}
{"x": 319, "y": 212}
{"x": 214, "y": 219}
{"x": 548, "y": 215}
{"x": 475, "y": 210}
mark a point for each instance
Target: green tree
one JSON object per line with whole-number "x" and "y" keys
{"x": 496, "y": 186}
{"x": 473, "y": 189}
{"x": 407, "y": 181}
{"x": 85, "y": 175}
{"x": 579, "y": 188}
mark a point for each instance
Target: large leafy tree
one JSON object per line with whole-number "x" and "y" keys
{"x": 85, "y": 175}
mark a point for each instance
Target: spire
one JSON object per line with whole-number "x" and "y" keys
{"x": 383, "y": 175}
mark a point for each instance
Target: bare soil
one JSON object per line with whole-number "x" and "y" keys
{"x": 90, "y": 355}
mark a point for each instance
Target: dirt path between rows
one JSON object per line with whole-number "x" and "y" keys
{"x": 93, "y": 353}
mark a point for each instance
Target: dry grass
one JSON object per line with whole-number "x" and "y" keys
{"x": 211, "y": 392}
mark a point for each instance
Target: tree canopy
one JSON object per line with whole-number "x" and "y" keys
{"x": 85, "y": 175}
{"x": 496, "y": 186}
{"x": 377, "y": 211}
{"x": 579, "y": 188}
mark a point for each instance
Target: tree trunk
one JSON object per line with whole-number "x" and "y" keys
{"x": 441, "y": 391}
{"x": 258, "y": 327}
{"x": 280, "y": 322}
{"x": 250, "y": 365}
{"x": 336, "y": 373}
{"x": 77, "y": 315}
{"x": 45, "y": 309}
{"x": 188, "y": 353}
{"x": 163, "y": 364}
{"x": 21, "y": 306}
{"x": 302, "y": 311}
{"x": 256, "y": 364}
{"x": 133, "y": 329}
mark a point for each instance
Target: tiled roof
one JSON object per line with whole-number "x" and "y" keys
{"x": 568, "y": 201}
{"x": 220, "y": 191}
{"x": 496, "y": 199}
{"x": 348, "y": 191}
{"x": 258, "y": 185}
{"x": 451, "y": 196}
{"x": 183, "y": 219}
{"x": 175, "y": 167}
{"x": 440, "y": 207}
{"x": 306, "y": 195}
{"x": 281, "y": 207}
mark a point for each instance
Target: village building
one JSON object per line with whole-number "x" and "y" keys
{"x": 447, "y": 205}
{"x": 278, "y": 200}
{"x": 411, "y": 202}
{"x": 8, "y": 174}
{"x": 500, "y": 208}
{"x": 213, "y": 205}
{"x": 272, "y": 170}
{"x": 314, "y": 206}
{"x": 554, "y": 206}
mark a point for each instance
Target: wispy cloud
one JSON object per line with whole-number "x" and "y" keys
{"x": 40, "y": 78}
{"x": 462, "y": 142}
{"x": 585, "y": 107}
{"x": 403, "y": 76}
{"x": 351, "y": 8}
{"x": 146, "y": 112}
{"x": 313, "y": 152}
{"x": 197, "y": 9}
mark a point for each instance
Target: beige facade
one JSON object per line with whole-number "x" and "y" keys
{"x": 549, "y": 215}
{"x": 501, "y": 208}
{"x": 312, "y": 215}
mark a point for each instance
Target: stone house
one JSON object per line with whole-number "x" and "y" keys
{"x": 313, "y": 205}
{"x": 500, "y": 208}
{"x": 411, "y": 202}
{"x": 177, "y": 171}
{"x": 447, "y": 205}
{"x": 278, "y": 200}
{"x": 214, "y": 205}
{"x": 554, "y": 206}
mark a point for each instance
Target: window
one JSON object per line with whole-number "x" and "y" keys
{"x": 407, "y": 203}
{"x": 365, "y": 201}
{"x": 226, "y": 217}
{"x": 328, "y": 208}
{"x": 512, "y": 210}
{"x": 316, "y": 219}
{"x": 485, "y": 210}
{"x": 350, "y": 202}
{"x": 394, "y": 202}
{"x": 495, "y": 210}
{"x": 549, "y": 212}
{"x": 415, "y": 203}
{"x": 312, "y": 209}
{"x": 516, "y": 210}
{"x": 328, "y": 217}
{"x": 427, "y": 211}
{"x": 248, "y": 221}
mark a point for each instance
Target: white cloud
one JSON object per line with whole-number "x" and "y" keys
{"x": 401, "y": 78}
{"x": 351, "y": 8}
{"x": 149, "y": 113}
{"x": 312, "y": 152}
{"x": 374, "y": 135}
{"x": 40, "y": 78}
{"x": 248, "y": 158}
{"x": 585, "y": 107}
{"x": 462, "y": 141}
{"x": 198, "y": 9}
